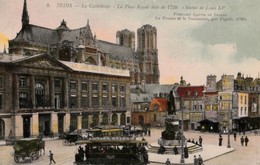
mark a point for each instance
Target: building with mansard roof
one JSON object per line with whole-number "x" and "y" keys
{"x": 81, "y": 46}
{"x": 42, "y": 95}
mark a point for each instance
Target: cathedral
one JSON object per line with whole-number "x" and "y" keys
{"x": 61, "y": 80}
{"x": 81, "y": 46}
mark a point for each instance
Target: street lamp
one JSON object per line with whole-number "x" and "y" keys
{"x": 228, "y": 142}
{"x": 182, "y": 137}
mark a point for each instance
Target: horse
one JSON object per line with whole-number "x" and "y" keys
{"x": 41, "y": 145}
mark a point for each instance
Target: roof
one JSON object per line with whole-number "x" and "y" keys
{"x": 8, "y": 58}
{"x": 82, "y": 67}
{"x": 110, "y": 141}
{"x": 38, "y": 34}
{"x": 161, "y": 103}
{"x": 210, "y": 120}
{"x": 46, "y": 36}
{"x": 190, "y": 91}
{"x": 115, "y": 50}
{"x": 153, "y": 88}
{"x": 140, "y": 98}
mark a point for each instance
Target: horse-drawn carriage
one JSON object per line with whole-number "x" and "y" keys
{"x": 28, "y": 149}
{"x": 71, "y": 138}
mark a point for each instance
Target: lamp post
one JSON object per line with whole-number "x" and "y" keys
{"x": 228, "y": 142}
{"x": 182, "y": 138}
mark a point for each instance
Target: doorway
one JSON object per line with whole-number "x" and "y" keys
{"x": 45, "y": 124}
{"x": 26, "y": 126}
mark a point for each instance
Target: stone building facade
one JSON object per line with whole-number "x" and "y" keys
{"x": 80, "y": 45}
{"x": 40, "y": 94}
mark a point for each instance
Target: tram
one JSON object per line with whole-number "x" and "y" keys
{"x": 109, "y": 150}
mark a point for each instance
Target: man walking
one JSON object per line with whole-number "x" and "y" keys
{"x": 51, "y": 158}
{"x": 220, "y": 140}
{"x": 235, "y": 136}
{"x": 200, "y": 141}
{"x": 246, "y": 140}
{"x": 200, "y": 160}
{"x": 242, "y": 140}
{"x": 195, "y": 160}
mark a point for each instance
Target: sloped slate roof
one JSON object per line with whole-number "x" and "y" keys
{"x": 152, "y": 89}
{"x": 38, "y": 34}
{"x": 140, "y": 98}
{"x": 115, "y": 50}
{"x": 47, "y": 36}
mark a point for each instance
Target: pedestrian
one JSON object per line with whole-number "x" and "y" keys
{"x": 200, "y": 160}
{"x": 220, "y": 140}
{"x": 195, "y": 160}
{"x": 149, "y": 132}
{"x": 168, "y": 162}
{"x": 175, "y": 150}
{"x": 246, "y": 140}
{"x": 242, "y": 140}
{"x": 235, "y": 136}
{"x": 200, "y": 141}
{"x": 186, "y": 152}
{"x": 51, "y": 158}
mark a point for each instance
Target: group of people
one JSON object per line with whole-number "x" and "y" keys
{"x": 243, "y": 140}
{"x": 196, "y": 142}
{"x": 198, "y": 161}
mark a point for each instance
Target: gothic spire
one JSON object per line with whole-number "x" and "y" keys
{"x": 25, "y": 16}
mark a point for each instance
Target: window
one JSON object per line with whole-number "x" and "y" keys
{"x": 84, "y": 101}
{"x": 39, "y": 95}
{"x": 105, "y": 101}
{"x": 22, "y": 82}
{"x": 1, "y": 101}
{"x": 113, "y": 87}
{"x": 73, "y": 85}
{"x": 95, "y": 102}
{"x": 245, "y": 111}
{"x": 245, "y": 100}
{"x": 122, "y": 102}
{"x": 1, "y": 81}
{"x": 122, "y": 88}
{"x": 84, "y": 86}
{"x": 104, "y": 87}
{"x": 57, "y": 83}
{"x": 114, "y": 103}
{"x": 241, "y": 99}
{"x": 73, "y": 101}
{"x": 23, "y": 100}
{"x": 94, "y": 87}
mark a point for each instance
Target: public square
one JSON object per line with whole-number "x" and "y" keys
{"x": 212, "y": 153}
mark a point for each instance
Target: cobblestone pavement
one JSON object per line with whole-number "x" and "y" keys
{"x": 64, "y": 155}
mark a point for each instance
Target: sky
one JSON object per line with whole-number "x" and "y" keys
{"x": 195, "y": 38}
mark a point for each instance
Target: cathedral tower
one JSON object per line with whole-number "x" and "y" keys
{"x": 148, "y": 54}
{"x": 126, "y": 38}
